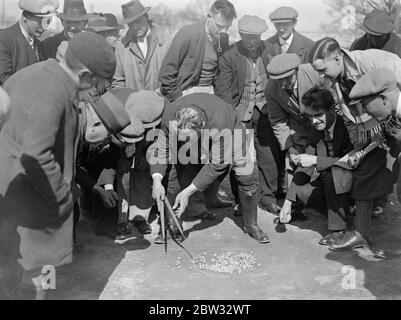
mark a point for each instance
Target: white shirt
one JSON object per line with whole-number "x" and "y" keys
{"x": 28, "y": 38}
{"x": 143, "y": 45}
{"x": 398, "y": 111}
{"x": 285, "y": 44}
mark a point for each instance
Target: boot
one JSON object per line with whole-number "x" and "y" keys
{"x": 248, "y": 202}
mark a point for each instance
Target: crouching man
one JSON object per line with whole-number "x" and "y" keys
{"x": 204, "y": 122}
{"x": 313, "y": 185}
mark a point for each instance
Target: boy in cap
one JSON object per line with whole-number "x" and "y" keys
{"x": 19, "y": 43}
{"x": 379, "y": 33}
{"x": 342, "y": 69}
{"x": 241, "y": 82}
{"x": 287, "y": 39}
{"x": 38, "y": 153}
{"x": 74, "y": 19}
{"x": 190, "y": 65}
{"x": 140, "y": 54}
{"x": 289, "y": 80}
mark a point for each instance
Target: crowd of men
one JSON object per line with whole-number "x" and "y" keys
{"x": 112, "y": 127}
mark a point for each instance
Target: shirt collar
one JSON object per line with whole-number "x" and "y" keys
{"x": 26, "y": 35}
{"x": 288, "y": 41}
{"x": 145, "y": 37}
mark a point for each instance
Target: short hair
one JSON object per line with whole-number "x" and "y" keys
{"x": 225, "y": 7}
{"x": 188, "y": 117}
{"x": 323, "y": 48}
{"x": 318, "y": 98}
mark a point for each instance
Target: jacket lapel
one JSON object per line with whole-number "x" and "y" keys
{"x": 296, "y": 44}
{"x": 31, "y": 54}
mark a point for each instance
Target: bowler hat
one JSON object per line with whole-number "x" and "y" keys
{"x": 374, "y": 83}
{"x": 283, "y": 65}
{"x": 377, "y": 23}
{"x": 252, "y": 25}
{"x": 103, "y": 22}
{"x": 148, "y": 106}
{"x": 132, "y": 11}
{"x": 39, "y": 7}
{"x": 283, "y": 14}
{"x": 74, "y": 10}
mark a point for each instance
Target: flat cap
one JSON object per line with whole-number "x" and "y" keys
{"x": 283, "y": 65}
{"x": 374, "y": 83}
{"x": 39, "y": 7}
{"x": 284, "y": 14}
{"x": 252, "y": 25}
{"x": 148, "y": 106}
{"x": 94, "y": 52}
{"x": 377, "y": 23}
{"x": 113, "y": 118}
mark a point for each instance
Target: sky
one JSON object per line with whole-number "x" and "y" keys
{"x": 311, "y": 12}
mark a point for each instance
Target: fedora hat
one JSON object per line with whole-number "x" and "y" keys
{"x": 103, "y": 22}
{"x": 74, "y": 10}
{"x": 132, "y": 11}
{"x": 377, "y": 23}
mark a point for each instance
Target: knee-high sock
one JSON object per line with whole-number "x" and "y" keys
{"x": 363, "y": 218}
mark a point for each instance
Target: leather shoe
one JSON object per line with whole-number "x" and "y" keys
{"x": 349, "y": 240}
{"x": 256, "y": 233}
{"x": 143, "y": 227}
{"x": 273, "y": 208}
{"x": 206, "y": 215}
{"x": 220, "y": 204}
{"x": 299, "y": 214}
{"x": 330, "y": 238}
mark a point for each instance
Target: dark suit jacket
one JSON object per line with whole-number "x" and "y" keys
{"x": 285, "y": 112}
{"x": 15, "y": 52}
{"x": 221, "y": 120}
{"x": 393, "y": 45}
{"x": 300, "y": 45}
{"x": 230, "y": 81}
{"x": 49, "y": 47}
{"x": 182, "y": 64}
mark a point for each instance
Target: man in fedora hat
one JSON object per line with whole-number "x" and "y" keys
{"x": 190, "y": 65}
{"x": 107, "y": 26}
{"x": 140, "y": 54}
{"x": 38, "y": 153}
{"x": 379, "y": 33}
{"x": 241, "y": 82}
{"x": 19, "y": 44}
{"x": 287, "y": 39}
{"x": 74, "y": 19}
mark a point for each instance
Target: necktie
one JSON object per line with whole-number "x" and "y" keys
{"x": 285, "y": 47}
{"x": 329, "y": 143}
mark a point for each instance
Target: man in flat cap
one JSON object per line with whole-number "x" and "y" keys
{"x": 289, "y": 80}
{"x": 287, "y": 39}
{"x": 380, "y": 96}
{"x": 379, "y": 33}
{"x": 19, "y": 43}
{"x": 241, "y": 82}
{"x": 202, "y": 121}
{"x": 74, "y": 19}
{"x": 342, "y": 69}
{"x": 140, "y": 54}
{"x": 190, "y": 65}
{"x": 38, "y": 153}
